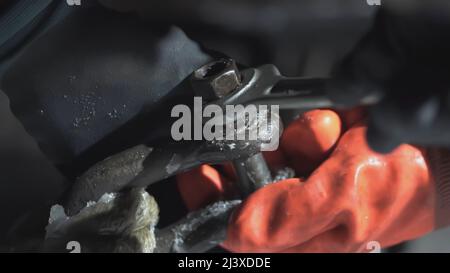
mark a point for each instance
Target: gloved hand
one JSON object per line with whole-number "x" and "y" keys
{"x": 352, "y": 198}
{"x": 405, "y": 60}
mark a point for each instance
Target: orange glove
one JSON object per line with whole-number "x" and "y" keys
{"x": 354, "y": 197}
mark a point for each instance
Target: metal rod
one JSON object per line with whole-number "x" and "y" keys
{"x": 253, "y": 173}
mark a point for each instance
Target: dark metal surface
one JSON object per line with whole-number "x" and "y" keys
{"x": 253, "y": 173}
{"x": 200, "y": 231}
{"x": 266, "y": 86}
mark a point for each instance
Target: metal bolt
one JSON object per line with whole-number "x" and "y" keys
{"x": 216, "y": 79}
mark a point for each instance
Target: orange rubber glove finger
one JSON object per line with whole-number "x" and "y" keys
{"x": 308, "y": 141}
{"x": 318, "y": 132}
{"x": 203, "y": 186}
{"x": 355, "y": 197}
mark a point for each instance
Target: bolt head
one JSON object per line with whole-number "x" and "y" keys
{"x": 216, "y": 79}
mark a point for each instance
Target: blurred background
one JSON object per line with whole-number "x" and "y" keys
{"x": 300, "y": 37}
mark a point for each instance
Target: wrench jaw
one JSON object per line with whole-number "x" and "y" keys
{"x": 256, "y": 83}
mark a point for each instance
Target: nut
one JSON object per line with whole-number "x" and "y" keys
{"x": 216, "y": 79}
